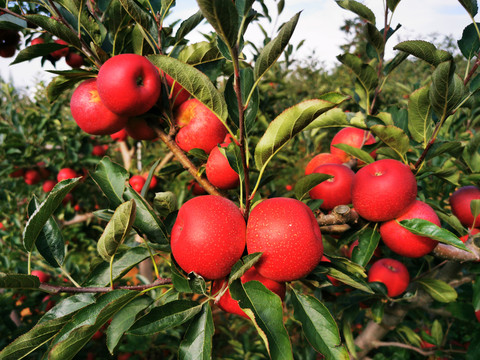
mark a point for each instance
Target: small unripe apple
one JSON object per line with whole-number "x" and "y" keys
{"x": 57, "y": 54}
{"x": 32, "y": 177}
{"x": 320, "y": 159}
{"x": 219, "y": 172}
{"x": 383, "y": 190}
{"x": 199, "y": 127}
{"x": 66, "y": 173}
{"x": 287, "y": 233}
{"x": 227, "y": 304}
{"x": 42, "y": 276}
{"x": 208, "y": 236}
{"x": 138, "y": 129}
{"x": 404, "y": 242}
{"x": 351, "y": 136}
{"x": 48, "y": 185}
{"x": 460, "y": 202}
{"x": 137, "y": 182}
{"x": 392, "y": 273}
{"x": 129, "y": 84}
{"x": 334, "y": 191}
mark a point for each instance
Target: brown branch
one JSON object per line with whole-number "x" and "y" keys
{"x": 378, "y": 344}
{"x": 452, "y": 253}
{"x": 55, "y": 289}
{"x": 79, "y": 218}
{"x": 340, "y": 215}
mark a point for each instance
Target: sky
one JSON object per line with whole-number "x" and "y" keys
{"x": 319, "y": 27}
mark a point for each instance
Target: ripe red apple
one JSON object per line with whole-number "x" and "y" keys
{"x": 219, "y": 172}
{"x": 99, "y": 150}
{"x": 320, "y": 159}
{"x": 32, "y": 177}
{"x": 37, "y": 41}
{"x": 460, "y": 202}
{"x": 334, "y": 191}
{"x": 129, "y": 84}
{"x": 287, "y": 233}
{"x": 177, "y": 93}
{"x": 227, "y": 304}
{"x": 17, "y": 173}
{"x": 9, "y": 40}
{"x": 351, "y": 136}
{"x": 472, "y": 232}
{"x": 137, "y": 182}
{"x": 383, "y": 190}
{"x": 196, "y": 188}
{"x": 74, "y": 60}
{"x": 153, "y": 182}
{"x": 89, "y": 112}
{"x": 477, "y": 315}
{"x": 120, "y": 135}
{"x": 48, "y": 185}
{"x": 66, "y": 173}
{"x": 42, "y": 276}
{"x": 199, "y": 127}
{"x": 58, "y": 54}
{"x": 138, "y": 129}
{"x": 208, "y": 236}
{"x": 392, "y": 273}
{"x": 402, "y": 241}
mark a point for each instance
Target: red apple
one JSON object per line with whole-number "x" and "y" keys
{"x": 37, "y": 41}
{"x": 89, "y": 112}
{"x": 74, "y": 60}
{"x": 9, "y": 40}
{"x": 208, "y": 236}
{"x": 472, "y": 232}
{"x": 219, "y": 172}
{"x": 68, "y": 199}
{"x": 138, "y": 129}
{"x": 66, "y": 173}
{"x": 460, "y": 202}
{"x": 48, "y": 185}
{"x": 351, "y": 136}
{"x": 227, "y": 304}
{"x": 199, "y": 127}
{"x": 287, "y": 233}
{"x": 288, "y": 187}
{"x": 57, "y": 54}
{"x": 129, "y": 84}
{"x": 392, "y": 273}
{"x": 334, "y": 281}
{"x": 320, "y": 159}
{"x": 404, "y": 242}
{"x": 120, "y": 135}
{"x": 99, "y": 150}
{"x": 153, "y": 182}
{"x": 177, "y": 93}
{"x": 477, "y": 315}
{"x": 334, "y": 191}
{"x": 17, "y": 173}
{"x": 32, "y": 177}
{"x": 383, "y": 190}
{"x": 196, "y": 188}
{"x": 137, "y": 182}
{"x": 42, "y": 276}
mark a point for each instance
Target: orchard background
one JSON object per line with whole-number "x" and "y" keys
{"x": 109, "y": 287}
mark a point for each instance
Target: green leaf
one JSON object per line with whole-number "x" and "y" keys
{"x": 223, "y": 17}
{"x": 475, "y": 209}
{"x": 426, "y": 228}
{"x": 22, "y": 281}
{"x": 439, "y": 290}
{"x": 56, "y": 28}
{"x": 124, "y": 319}
{"x": 319, "y": 326}
{"x": 393, "y": 137}
{"x": 469, "y": 44}
{"x": 123, "y": 262}
{"x": 447, "y": 89}
{"x": 165, "y": 317}
{"x": 365, "y": 73}
{"x": 420, "y": 123}
{"x": 424, "y": 50}
{"x": 307, "y": 183}
{"x": 392, "y": 4}
{"x": 291, "y": 122}
{"x": 111, "y": 178}
{"x": 375, "y": 38}
{"x": 343, "y": 270}
{"x": 367, "y": 243}
{"x": 34, "y": 51}
{"x": 332, "y": 118}
{"x": 348, "y": 336}
{"x": 78, "y": 332}
{"x": 358, "y": 8}
{"x": 195, "y": 82}
{"x": 43, "y": 212}
{"x": 242, "y": 265}
{"x": 395, "y": 62}
{"x": 471, "y": 6}
{"x": 188, "y": 25}
{"x": 437, "y": 332}
{"x": 60, "y": 84}
{"x": 199, "y": 53}
{"x": 50, "y": 243}
{"x": 272, "y": 51}
{"x": 68, "y": 306}
{"x": 147, "y": 221}
{"x": 265, "y": 309}
{"x": 197, "y": 342}
{"x": 470, "y": 154}
{"x": 165, "y": 202}
{"x": 142, "y": 17}
{"x": 356, "y": 152}
{"x": 116, "y": 230}
{"x": 476, "y": 294}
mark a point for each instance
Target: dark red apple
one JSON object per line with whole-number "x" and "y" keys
{"x": 392, "y": 273}
{"x": 460, "y": 202}
{"x": 137, "y": 182}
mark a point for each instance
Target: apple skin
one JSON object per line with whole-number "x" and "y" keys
{"x": 37, "y": 41}
{"x": 48, "y": 185}
{"x": 351, "y": 136}
{"x": 460, "y": 203}
{"x": 89, "y": 112}
{"x": 42, "y": 276}
{"x": 219, "y": 172}
{"x": 128, "y": 84}
{"x": 208, "y": 236}
{"x": 320, "y": 159}
{"x": 74, "y": 60}
{"x": 137, "y": 182}
{"x": 382, "y": 190}
{"x": 477, "y": 315}
{"x": 392, "y": 273}
{"x": 178, "y": 93}
{"x": 66, "y": 173}
{"x": 58, "y": 54}
{"x": 402, "y": 241}
{"x": 32, "y": 177}
{"x": 199, "y": 127}
{"x": 287, "y": 233}
{"x": 227, "y": 304}
{"x": 334, "y": 191}
{"x": 138, "y": 129}
{"x": 120, "y": 135}
{"x": 196, "y": 188}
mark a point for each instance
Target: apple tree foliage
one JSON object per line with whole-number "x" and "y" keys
{"x": 433, "y": 129}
